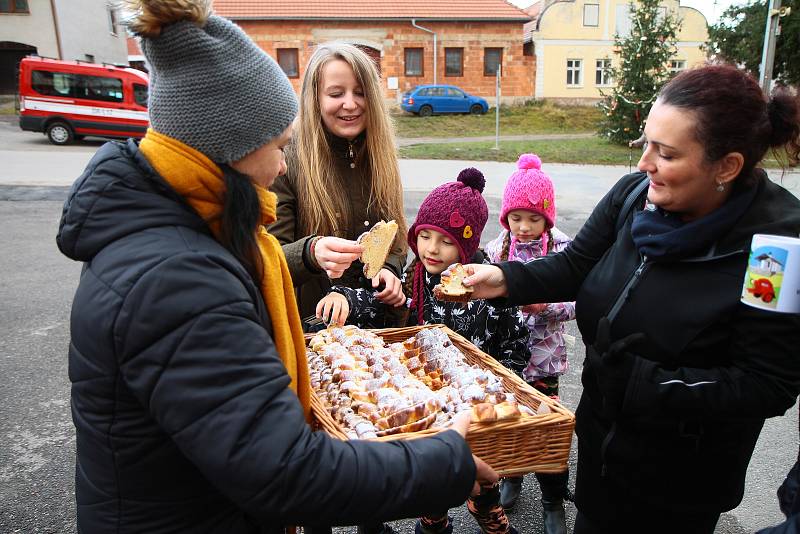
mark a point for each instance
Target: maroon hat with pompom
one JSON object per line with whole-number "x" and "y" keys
{"x": 456, "y": 209}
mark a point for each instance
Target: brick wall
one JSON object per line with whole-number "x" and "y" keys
{"x": 391, "y": 38}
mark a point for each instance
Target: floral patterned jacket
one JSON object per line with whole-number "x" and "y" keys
{"x": 499, "y": 332}
{"x": 546, "y": 345}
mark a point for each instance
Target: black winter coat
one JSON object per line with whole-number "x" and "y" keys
{"x": 183, "y": 417}
{"x": 789, "y": 500}
{"x": 710, "y": 370}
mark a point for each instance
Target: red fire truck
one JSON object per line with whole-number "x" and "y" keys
{"x": 71, "y": 99}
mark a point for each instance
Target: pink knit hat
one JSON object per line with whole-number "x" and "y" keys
{"x": 529, "y": 189}
{"x": 456, "y": 209}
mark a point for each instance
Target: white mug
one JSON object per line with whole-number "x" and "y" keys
{"x": 772, "y": 280}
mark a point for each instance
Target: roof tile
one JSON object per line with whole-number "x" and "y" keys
{"x": 370, "y": 9}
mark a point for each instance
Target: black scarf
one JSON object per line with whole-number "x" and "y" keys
{"x": 662, "y": 235}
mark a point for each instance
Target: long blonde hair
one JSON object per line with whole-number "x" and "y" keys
{"x": 316, "y": 198}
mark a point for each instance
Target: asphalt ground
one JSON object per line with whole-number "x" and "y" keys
{"x": 36, "y": 434}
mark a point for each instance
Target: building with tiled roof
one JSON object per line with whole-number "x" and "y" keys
{"x": 458, "y": 42}
{"x": 574, "y": 44}
{"x": 445, "y": 10}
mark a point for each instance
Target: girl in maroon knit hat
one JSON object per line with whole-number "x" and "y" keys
{"x": 447, "y": 230}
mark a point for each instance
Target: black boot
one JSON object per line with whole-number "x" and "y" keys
{"x": 554, "y": 491}
{"x": 554, "y": 517}
{"x": 510, "y": 489}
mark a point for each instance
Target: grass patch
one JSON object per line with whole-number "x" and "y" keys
{"x": 591, "y": 150}
{"x": 8, "y": 109}
{"x": 534, "y": 118}
{"x": 587, "y": 151}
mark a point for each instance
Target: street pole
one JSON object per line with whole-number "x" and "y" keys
{"x": 770, "y": 36}
{"x": 497, "y": 109}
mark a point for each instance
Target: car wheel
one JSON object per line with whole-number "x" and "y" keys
{"x": 59, "y": 133}
{"x": 476, "y": 109}
{"x": 425, "y": 111}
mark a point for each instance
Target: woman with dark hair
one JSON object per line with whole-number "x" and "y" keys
{"x": 190, "y": 389}
{"x": 679, "y": 374}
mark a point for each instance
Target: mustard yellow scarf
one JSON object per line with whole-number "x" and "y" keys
{"x": 201, "y": 183}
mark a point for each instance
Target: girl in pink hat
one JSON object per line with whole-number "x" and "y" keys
{"x": 528, "y": 217}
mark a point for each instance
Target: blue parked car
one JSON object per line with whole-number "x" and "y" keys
{"x": 425, "y": 100}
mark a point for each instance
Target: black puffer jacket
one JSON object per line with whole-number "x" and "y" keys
{"x": 183, "y": 417}
{"x": 709, "y": 372}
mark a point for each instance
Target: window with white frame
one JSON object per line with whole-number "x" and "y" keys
{"x": 602, "y": 73}
{"x": 623, "y": 25}
{"x": 591, "y": 14}
{"x": 574, "y": 72}
{"x": 676, "y": 65}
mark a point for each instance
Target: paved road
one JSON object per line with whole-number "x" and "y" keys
{"x": 36, "y": 436}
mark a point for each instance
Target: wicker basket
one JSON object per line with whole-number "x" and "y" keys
{"x": 537, "y": 443}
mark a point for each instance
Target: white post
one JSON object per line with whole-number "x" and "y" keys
{"x": 435, "y": 53}
{"x": 497, "y": 110}
{"x": 770, "y": 36}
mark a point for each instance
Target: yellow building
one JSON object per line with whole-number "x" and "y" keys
{"x": 574, "y": 39}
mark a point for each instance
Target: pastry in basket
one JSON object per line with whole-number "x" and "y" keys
{"x": 377, "y": 243}
{"x": 402, "y": 387}
{"x": 452, "y": 288}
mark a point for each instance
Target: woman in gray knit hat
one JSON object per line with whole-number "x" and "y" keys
{"x": 190, "y": 389}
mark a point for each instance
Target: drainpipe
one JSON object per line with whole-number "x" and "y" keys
{"x": 55, "y": 26}
{"x": 414, "y": 23}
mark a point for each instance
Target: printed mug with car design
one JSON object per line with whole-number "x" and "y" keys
{"x": 772, "y": 280}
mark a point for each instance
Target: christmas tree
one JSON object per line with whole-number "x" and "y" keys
{"x": 641, "y": 71}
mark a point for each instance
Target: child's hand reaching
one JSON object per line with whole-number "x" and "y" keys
{"x": 333, "y": 309}
{"x": 533, "y": 309}
{"x": 392, "y": 292}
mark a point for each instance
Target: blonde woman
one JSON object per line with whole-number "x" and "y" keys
{"x": 342, "y": 178}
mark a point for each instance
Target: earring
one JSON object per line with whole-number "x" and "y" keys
{"x": 720, "y": 187}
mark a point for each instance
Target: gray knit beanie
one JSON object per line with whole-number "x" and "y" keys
{"x": 214, "y": 89}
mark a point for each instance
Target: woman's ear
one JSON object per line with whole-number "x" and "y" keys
{"x": 728, "y": 167}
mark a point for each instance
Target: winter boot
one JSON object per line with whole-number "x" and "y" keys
{"x": 510, "y": 489}
{"x": 490, "y": 516}
{"x": 554, "y": 517}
